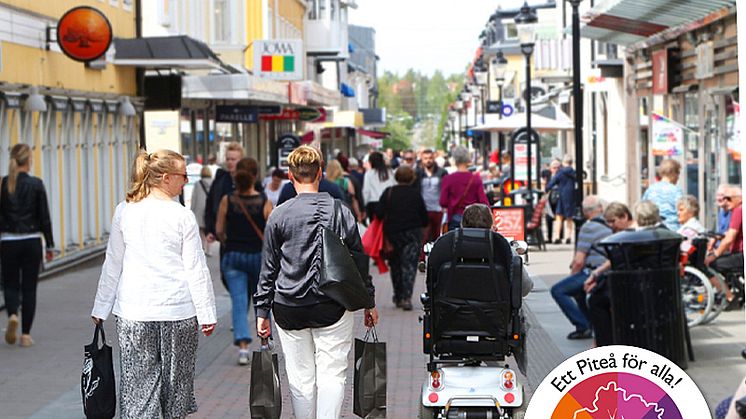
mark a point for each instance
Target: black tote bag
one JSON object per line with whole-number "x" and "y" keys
{"x": 369, "y": 381}
{"x": 265, "y": 398}
{"x": 97, "y": 385}
{"x": 340, "y": 277}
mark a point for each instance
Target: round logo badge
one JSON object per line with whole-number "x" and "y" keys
{"x": 84, "y": 33}
{"x": 617, "y": 382}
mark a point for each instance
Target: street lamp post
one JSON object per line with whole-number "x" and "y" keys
{"x": 577, "y": 96}
{"x": 525, "y": 23}
{"x": 500, "y": 62}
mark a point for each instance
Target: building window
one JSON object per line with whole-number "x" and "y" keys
{"x": 222, "y": 28}
{"x": 511, "y": 32}
{"x": 317, "y": 9}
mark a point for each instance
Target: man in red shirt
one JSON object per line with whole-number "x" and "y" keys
{"x": 728, "y": 256}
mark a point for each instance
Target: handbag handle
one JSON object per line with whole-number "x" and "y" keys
{"x": 99, "y": 330}
{"x": 371, "y": 334}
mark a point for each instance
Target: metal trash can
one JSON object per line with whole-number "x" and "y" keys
{"x": 645, "y": 291}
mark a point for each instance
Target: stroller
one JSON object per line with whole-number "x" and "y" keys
{"x": 472, "y": 322}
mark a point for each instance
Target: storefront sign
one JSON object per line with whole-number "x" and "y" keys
{"x": 510, "y": 222}
{"x": 660, "y": 72}
{"x": 668, "y": 137}
{"x": 269, "y": 110}
{"x": 84, "y": 34}
{"x": 596, "y": 82}
{"x": 285, "y": 145}
{"x": 300, "y": 114}
{"x": 496, "y": 106}
{"x": 236, "y": 113}
{"x": 280, "y": 59}
{"x": 521, "y": 160}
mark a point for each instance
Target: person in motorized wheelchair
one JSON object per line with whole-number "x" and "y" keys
{"x": 473, "y": 320}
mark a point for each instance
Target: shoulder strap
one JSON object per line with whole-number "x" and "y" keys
{"x": 202, "y": 184}
{"x": 237, "y": 200}
{"x": 463, "y": 195}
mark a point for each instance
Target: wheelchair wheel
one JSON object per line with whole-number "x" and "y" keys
{"x": 719, "y": 300}
{"x": 697, "y": 295}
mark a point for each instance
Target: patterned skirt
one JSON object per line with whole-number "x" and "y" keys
{"x": 157, "y": 362}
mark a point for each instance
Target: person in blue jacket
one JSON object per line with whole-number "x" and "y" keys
{"x": 564, "y": 181}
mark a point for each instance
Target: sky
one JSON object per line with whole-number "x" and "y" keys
{"x": 426, "y": 35}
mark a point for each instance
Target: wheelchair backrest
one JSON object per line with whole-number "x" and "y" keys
{"x": 470, "y": 264}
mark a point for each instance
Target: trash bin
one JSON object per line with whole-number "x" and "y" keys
{"x": 645, "y": 291}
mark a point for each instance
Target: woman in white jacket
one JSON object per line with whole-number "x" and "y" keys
{"x": 156, "y": 282}
{"x": 375, "y": 181}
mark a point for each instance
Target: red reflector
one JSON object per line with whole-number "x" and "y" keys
{"x": 510, "y": 398}
{"x": 433, "y": 397}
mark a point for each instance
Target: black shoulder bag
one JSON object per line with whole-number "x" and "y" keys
{"x": 339, "y": 277}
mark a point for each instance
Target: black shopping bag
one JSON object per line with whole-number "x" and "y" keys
{"x": 265, "y": 399}
{"x": 97, "y": 380}
{"x": 369, "y": 383}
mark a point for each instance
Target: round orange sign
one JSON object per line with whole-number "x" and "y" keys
{"x": 84, "y": 33}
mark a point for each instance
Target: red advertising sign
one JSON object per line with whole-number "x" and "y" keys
{"x": 300, "y": 114}
{"x": 660, "y": 72}
{"x": 510, "y": 222}
{"x": 84, "y": 33}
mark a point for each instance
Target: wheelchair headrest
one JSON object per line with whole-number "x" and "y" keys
{"x": 471, "y": 243}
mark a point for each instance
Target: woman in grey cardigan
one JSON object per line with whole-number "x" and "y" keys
{"x": 315, "y": 331}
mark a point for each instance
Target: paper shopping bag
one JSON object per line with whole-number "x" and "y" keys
{"x": 265, "y": 398}
{"x": 369, "y": 383}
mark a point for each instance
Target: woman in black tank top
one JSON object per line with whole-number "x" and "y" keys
{"x": 240, "y": 228}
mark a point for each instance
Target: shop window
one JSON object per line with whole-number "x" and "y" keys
{"x": 51, "y": 171}
{"x": 691, "y": 143}
{"x": 71, "y": 143}
{"x": 643, "y": 144}
{"x": 733, "y": 140}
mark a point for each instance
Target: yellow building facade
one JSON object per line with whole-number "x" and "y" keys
{"x": 280, "y": 19}
{"x": 84, "y": 141}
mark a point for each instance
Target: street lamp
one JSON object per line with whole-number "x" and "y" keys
{"x": 481, "y": 76}
{"x": 499, "y": 62}
{"x": 577, "y": 99}
{"x": 525, "y": 23}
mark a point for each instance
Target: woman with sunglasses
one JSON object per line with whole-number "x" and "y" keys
{"x": 156, "y": 282}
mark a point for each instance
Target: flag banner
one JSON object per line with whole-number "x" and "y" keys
{"x": 668, "y": 136}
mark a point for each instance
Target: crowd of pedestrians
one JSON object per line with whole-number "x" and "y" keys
{"x": 268, "y": 231}
{"x": 583, "y": 296}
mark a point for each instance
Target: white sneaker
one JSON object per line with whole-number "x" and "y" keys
{"x": 243, "y": 357}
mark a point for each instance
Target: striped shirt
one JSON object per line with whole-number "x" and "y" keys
{"x": 592, "y": 232}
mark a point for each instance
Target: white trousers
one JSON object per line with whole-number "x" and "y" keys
{"x": 316, "y": 364}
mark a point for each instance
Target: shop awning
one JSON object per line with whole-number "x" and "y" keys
{"x": 626, "y": 22}
{"x": 342, "y": 119}
{"x": 373, "y": 134}
{"x": 234, "y": 87}
{"x": 518, "y": 120}
{"x": 165, "y": 52}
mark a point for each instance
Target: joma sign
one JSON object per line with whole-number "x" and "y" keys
{"x": 279, "y": 59}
